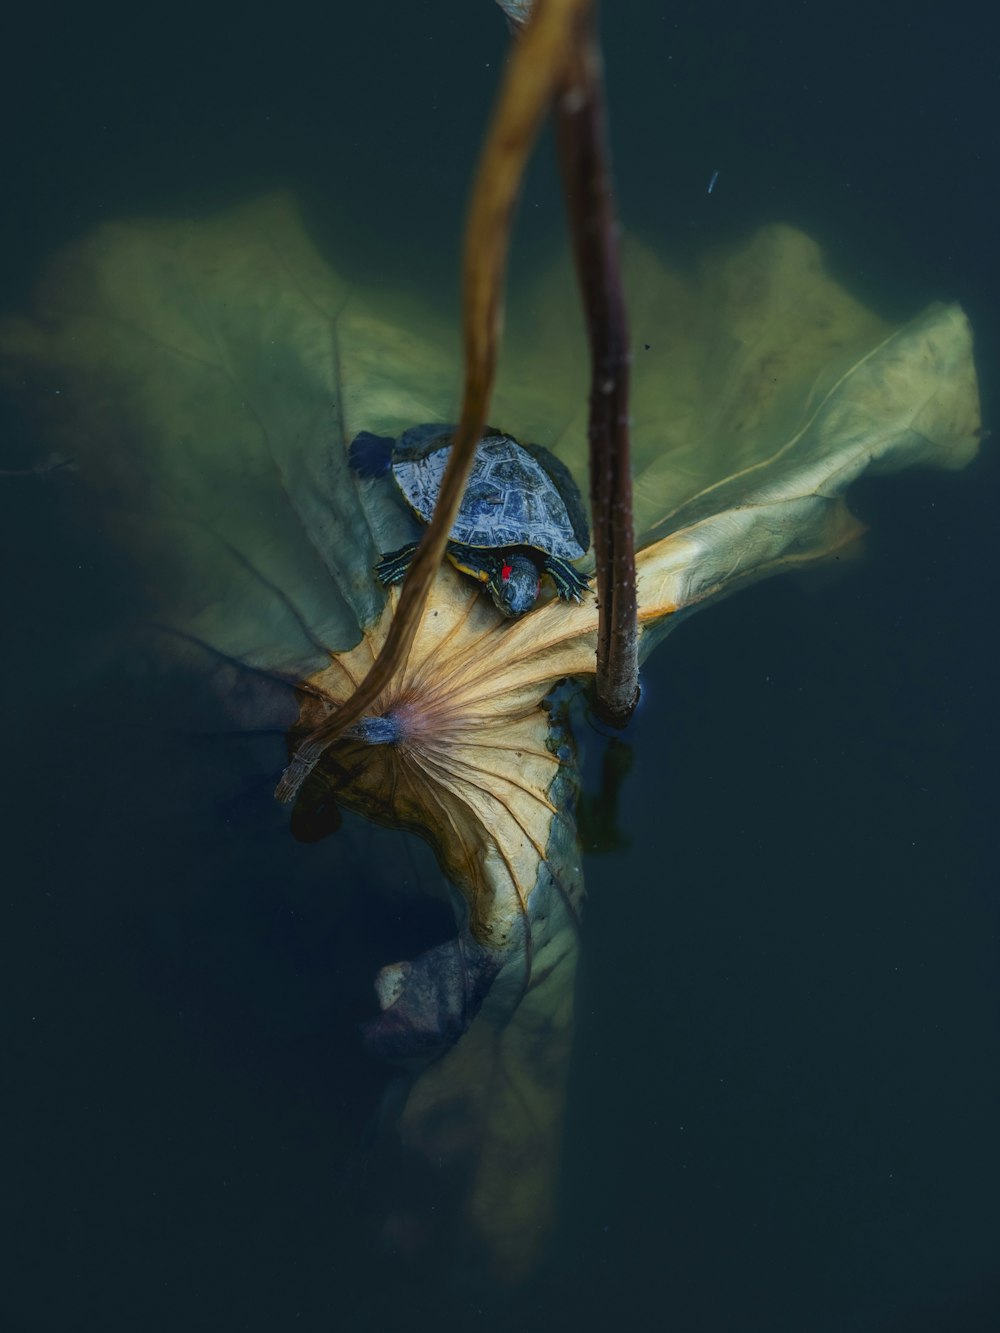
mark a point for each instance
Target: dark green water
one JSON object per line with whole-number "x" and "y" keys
{"x": 785, "y": 1088}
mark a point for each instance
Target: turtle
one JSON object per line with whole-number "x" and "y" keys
{"x": 522, "y": 516}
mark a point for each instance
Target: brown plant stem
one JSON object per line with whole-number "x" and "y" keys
{"x": 537, "y": 68}
{"x": 581, "y": 131}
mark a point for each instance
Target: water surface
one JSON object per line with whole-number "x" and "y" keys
{"x": 784, "y": 1091}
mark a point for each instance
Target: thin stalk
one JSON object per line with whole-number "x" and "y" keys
{"x": 537, "y": 68}
{"x": 585, "y": 162}
{"x": 584, "y": 155}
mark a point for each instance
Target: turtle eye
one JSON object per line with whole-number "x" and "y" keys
{"x": 505, "y": 572}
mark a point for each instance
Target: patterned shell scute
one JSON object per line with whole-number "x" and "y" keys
{"x": 510, "y": 499}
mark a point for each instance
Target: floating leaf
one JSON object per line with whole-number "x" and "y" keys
{"x": 211, "y": 375}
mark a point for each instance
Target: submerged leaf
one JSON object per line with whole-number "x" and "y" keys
{"x": 211, "y": 377}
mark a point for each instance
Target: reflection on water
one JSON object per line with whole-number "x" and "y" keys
{"x": 785, "y": 992}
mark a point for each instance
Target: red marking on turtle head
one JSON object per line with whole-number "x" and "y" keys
{"x": 505, "y": 572}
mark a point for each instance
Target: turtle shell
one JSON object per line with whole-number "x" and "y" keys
{"x": 515, "y": 496}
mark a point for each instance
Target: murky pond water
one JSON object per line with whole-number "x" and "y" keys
{"x": 784, "y": 1080}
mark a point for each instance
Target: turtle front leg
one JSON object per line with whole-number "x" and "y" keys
{"x": 570, "y": 583}
{"x": 478, "y": 564}
{"x": 392, "y": 567}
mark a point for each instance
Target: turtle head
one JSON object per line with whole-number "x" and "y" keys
{"x": 514, "y": 584}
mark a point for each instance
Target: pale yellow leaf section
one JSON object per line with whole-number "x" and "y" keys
{"x": 472, "y": 768}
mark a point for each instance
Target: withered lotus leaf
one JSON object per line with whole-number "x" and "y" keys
{"x": 210, "y": 376}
